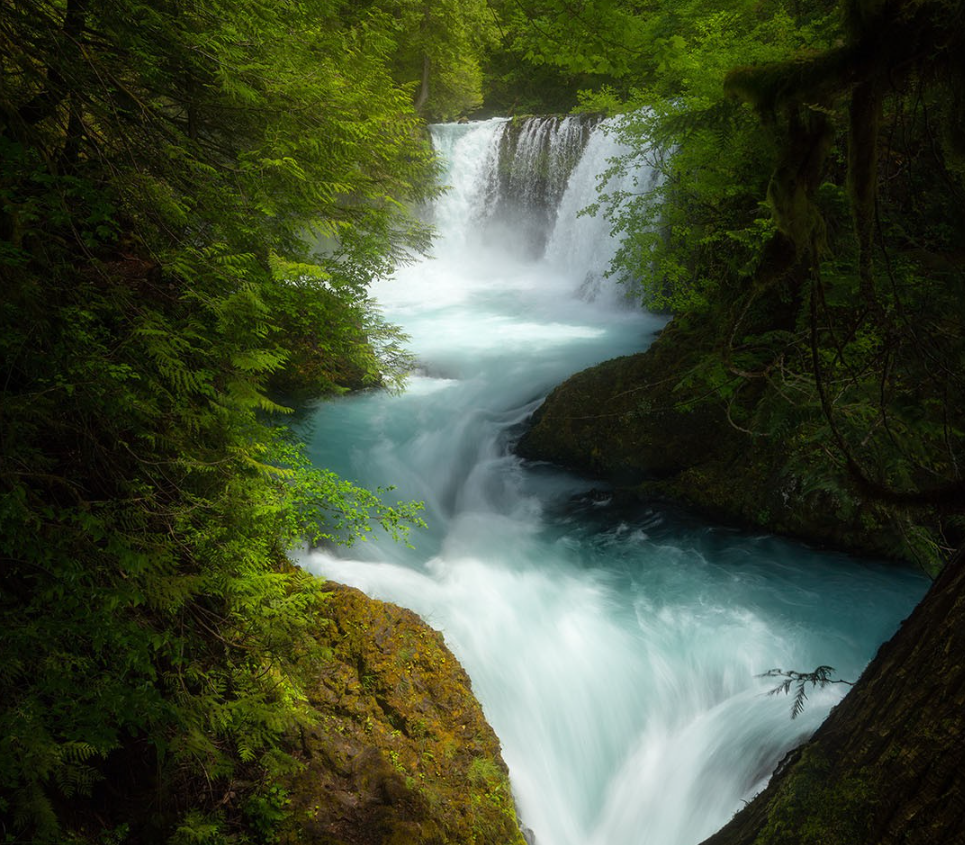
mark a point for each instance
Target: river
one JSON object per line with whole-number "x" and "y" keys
{"x": 616, "y": 650}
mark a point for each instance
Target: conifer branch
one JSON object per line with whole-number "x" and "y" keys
{"x": 820, "y": 678}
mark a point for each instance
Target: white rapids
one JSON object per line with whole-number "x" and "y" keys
{"x": 616, "y": 651}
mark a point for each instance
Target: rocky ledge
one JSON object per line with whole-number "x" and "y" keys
{"x": 628, "y": 422}
{"x": 401, "y": 752}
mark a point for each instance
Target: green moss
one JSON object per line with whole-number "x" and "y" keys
{"x": 815, "y": 807}
{"x": 483, "y": 771}
{"x": 491, "y": 799}
{"x": 402, "y": 752}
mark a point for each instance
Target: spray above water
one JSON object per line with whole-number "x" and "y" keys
{"x": 614, "y": 652}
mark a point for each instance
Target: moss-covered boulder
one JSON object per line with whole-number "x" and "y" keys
{"x": 621, "y": 419}
{"x": 401, "y": 753}
{"x": 632, "y": 422}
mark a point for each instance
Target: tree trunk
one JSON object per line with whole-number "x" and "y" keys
{"x": 887, "y": 765}
{"x": 865, "y": 116}
{"x": 58, "y": 85}
{"x": 423, "y": 96}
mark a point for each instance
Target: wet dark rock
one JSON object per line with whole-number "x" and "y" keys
{"x": 627, "y": 422}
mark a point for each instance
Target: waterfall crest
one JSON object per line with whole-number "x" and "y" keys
{"x": 521, "y": 188}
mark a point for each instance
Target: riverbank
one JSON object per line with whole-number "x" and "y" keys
{"x": 630, "y": 422}
{"x": 400, "y": 750}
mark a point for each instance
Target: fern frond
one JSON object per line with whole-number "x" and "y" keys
{"x": 820, "y": 677}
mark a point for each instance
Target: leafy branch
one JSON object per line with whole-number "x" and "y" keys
{"x": 820, "y": 677}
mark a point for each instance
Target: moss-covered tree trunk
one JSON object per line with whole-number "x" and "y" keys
{"x": 888, "y": 765}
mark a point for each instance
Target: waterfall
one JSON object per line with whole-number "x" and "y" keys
{"x": 523, "y": 188}
{"x": 536, "y": 158}
{"x": 616, "y": 650}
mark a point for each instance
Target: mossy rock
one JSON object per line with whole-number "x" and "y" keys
{"x": 401, "y": 753}
{"x": 630, "y": 422}
{"x": 622, "y": 419}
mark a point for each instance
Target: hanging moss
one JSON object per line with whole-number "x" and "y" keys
{"x": 863, "y": 126}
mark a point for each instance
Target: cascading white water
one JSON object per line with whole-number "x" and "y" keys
{"x": 581, "y": 240}
{"x": 615, "y": 650}
{"x": 545, "y": 148}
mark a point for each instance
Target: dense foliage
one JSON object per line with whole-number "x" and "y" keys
{"x": 441, "y": 44}
{"x": 806, "y": 231}
{"x": 193, "y": 199}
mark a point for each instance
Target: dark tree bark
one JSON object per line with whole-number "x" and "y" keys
{"x": 888, "y": 765}
{"x": 58, "y": 86}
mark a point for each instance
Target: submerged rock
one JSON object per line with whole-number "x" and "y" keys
{"x": 401, "y": 752}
